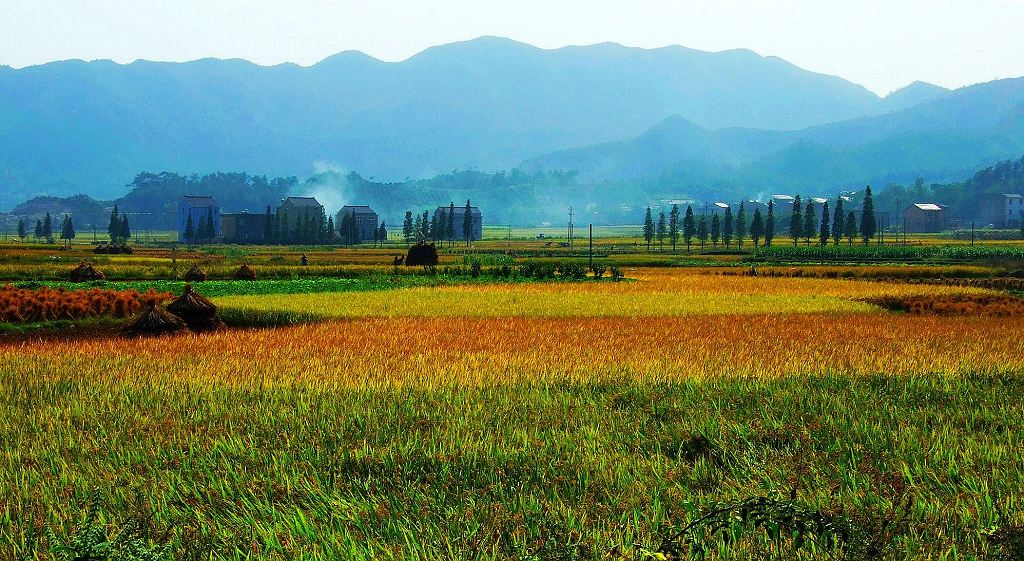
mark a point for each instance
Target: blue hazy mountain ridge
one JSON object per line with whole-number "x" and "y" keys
{"x": 489, "y": 103}
{"x": 944, "y": 138}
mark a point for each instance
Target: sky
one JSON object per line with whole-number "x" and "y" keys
{"x": 883, "y": 45}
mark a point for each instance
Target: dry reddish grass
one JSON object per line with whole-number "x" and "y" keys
{"x": 19, "y": 305}
{"x": 999, "y": 305}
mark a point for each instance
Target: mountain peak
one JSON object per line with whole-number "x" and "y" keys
{"x": 915, "y": 93}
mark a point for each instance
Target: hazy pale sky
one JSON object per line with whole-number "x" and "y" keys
{"x": 883, "y": 45}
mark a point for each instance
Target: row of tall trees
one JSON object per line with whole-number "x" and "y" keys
{"x": 834, "y": 225}
{"x": 727, "y": 229}
{"x": 439, "y": 228}
{"x": 205, "y": 232}
{"x": 44, "y": 229}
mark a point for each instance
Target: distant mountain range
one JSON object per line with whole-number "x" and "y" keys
{"x": 945, "y": 136}
{"x": 734, "y": 116}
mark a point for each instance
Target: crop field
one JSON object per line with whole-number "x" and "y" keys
{"x": 679, "y": 413}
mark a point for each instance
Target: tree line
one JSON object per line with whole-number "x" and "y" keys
{"x": 439, "y": 228}
{"x": 729, "y": 229}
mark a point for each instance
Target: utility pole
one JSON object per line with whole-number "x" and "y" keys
{"x": 972, "y": 232}
{"x": 570, "y": 229}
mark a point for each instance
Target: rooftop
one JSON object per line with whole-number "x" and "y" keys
{"x": 200, "y": 200}
{"x": 303, "y": 201}
{"x": 928, "y": 206}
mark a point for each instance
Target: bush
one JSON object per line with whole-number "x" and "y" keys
{"x": 422, "y": 255}
{"x": 572, "y": 271}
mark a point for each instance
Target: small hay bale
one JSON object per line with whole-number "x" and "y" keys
{"x": 198, "y": 312}
{"x": 85, "y": 272}
{"x": 195, "y": 274}
{"x": 424, "y": 254}
{"x": 153, "y": 322}
{"x": 245, "y": 272}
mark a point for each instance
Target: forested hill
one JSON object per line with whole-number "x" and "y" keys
{"x": 75, "y": 126}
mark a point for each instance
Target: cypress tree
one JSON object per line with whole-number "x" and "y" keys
{"x": 450, "y": 227}
{"x": 114, "y": 226}
{"x": 810, "y": 228}
{"x": 716, "y": 228}
{"x": 417, "y": 228}
{"x": 201, "y": 234}
{"x": 39, "y": 229}
{"x": 268, "y": 226}
{"x": 769, "y": 225}
{"x": 648, "y": 229}
{"x": 741, "y": 226}
{"x": 727, "y": 227}
{"x": 426, "y": 226}
{"x": 329, "y": 238}
{"x": 756, "y": 228}
{"x": 211, "y": 225}
{"x": 661, "y": 231}
{"x": 382, "y": 233}
{"x": 673, "y": 226}
{"x": 824, "y": 231}
{"x": 851, "y": 226}
{"x": 467, "y": 224}
{"x": 48, "y": 228}
{"x": 22, "y": 231}
{"x": 407, "y": 226}
{"x": 796, "y": 224}
{"x": 868, "y": 226}
{"x": 126, "y": 230}
{"x": 689, "y": 227}
{"x": 702, "y": 231}
{"x": 838, "y": 222}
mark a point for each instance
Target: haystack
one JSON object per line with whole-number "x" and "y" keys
{"x": 198, "y": 313}
{"x": 85, "y": 272}
{"x": 195, "y": 274}
{"x": 424, "y": 254}
{"x": 245, "y": 272}
{"x": 153, "y": 322}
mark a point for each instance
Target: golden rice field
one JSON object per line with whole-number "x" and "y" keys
{"x": 529, "y": 421}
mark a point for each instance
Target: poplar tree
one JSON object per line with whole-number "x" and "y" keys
{"x": 126, "y": 230}
{"x": 673, "y": 226}
{"x": 727, "y": 227}
{"x": 756, "y": 228}
{"x": 114, "y": 226}
{"x": 190, "y": 230}
{"x": 648, "y": 229}
{"x": 417, "y": 228}
{"x": 796, "y": 224}
{"x": 769, "y": 225}
{"x": 688, "y": 227}
{"x": 868, "y": 226}
{"x": 838, "y": 222}
{"x": 201, "y": 233}
{"x": 330, "y": 229}
{"x": 824, "y": 231}
{"x": 39, "y": 229}
{"x": 741, "y": 226}
{"x": 810, "y": 228}
{"x": 851, "y": 226}
{"x": 48, "y": 228}
{"x": 450, "y": 227}
{"x": 716, "y": 228}
{"x": 702, "y": 231}
{"x": 407, "y": 226}
{"x": 211, "y": 225}
{"x": 268, "y": 226}
{"x": 22, "y": 231}
{"x": 661, "y": 231}
{"x": 467, "y": 224}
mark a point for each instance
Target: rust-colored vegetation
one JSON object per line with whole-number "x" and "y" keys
{"x": 21, "y": 305}
{"x": 999, "y": 305}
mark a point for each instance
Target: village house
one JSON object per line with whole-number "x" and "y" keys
{"x": 360, "y": 221}
{"x": 202, "y": 209}
{"x": 1001, "y": 210}
{"x": 295, "y": 211}
{"x": 925, "y": 218}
